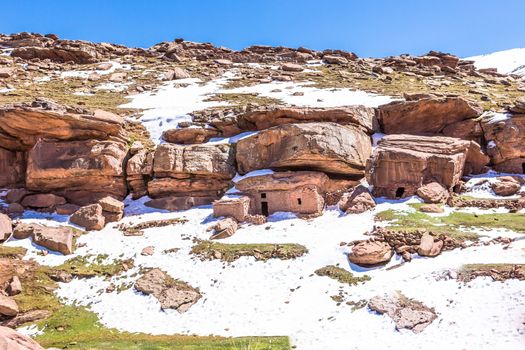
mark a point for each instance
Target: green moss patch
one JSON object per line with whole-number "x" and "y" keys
{"x": 452, "y": 225}
{"x": 208, "y": 250}
{"x": 341, "y": 275}
{"x": 77, "y": 328}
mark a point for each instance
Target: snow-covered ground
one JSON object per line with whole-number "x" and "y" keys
{"x": 507, "y": 61}
{"x": 279, "y": 297}
{"x": 171, "y": 104}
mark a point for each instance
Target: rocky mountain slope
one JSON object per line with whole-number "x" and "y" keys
{"x": 269, "y": 198}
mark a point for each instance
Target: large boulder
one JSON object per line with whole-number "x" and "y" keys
{"x": 171, "y": 293}
{"x": 505, "y": 136}
{"x": 433, "y": 192}
{"x": 81, "y": 52}
{"x": 81, "y": 171}
{"x": 507, "y": 185}
{"x": 326, "y": 147}
{"x": 406, "y": 313}
{"x": 427, "y": 246}
{"x": 268, "y": 117}
{"x": 59, "y": 238}
{"x": 188, "y": 136}
{"x": 90, "y": 217}
{"x": 21, "y": 126}
{"x": 8, "y": 306}
{"x": 401, "y": 164}
{"x": 12, "y": 340}
{"x": 42, "y": 200}
{"x": 192, "y": 174}
{"x": 6, "y": 227}
{"x": 357, "y": 201}
{"x": 370, "y": 253}
{"x": 425, "y": 116}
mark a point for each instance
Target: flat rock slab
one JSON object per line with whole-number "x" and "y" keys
{"x": 406, "y": 313}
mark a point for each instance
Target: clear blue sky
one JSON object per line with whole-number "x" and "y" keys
{"x": 368, "y": 27}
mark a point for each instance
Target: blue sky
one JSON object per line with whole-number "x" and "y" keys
{"x": 369, "y": 27}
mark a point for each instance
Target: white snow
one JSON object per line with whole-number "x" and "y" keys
{"x": 171, "y": 104}
{"x": 284, "y": 297}
{"x": 479, "y": 186}
{"x": 84, "y": 74}
{"x": 6, "y": 90}
{"x": 507, "y": 61}
{"x": 314, "y": 97}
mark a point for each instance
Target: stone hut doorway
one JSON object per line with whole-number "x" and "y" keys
{"x": 264, "y": 208}
{"x": 400, "y": 192}
{"x": 523, "y": 168}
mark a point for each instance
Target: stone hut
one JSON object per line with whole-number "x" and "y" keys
{"x": 299, "y": 192}
{"x": 403, "y": 163}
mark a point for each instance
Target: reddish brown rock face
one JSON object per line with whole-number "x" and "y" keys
{"x": 297, "y": 192}
{"x": 187, "y": 136}
{"x": 190, "y": 175}
{"x": 81, "y": 171}
{"x": 403, "y": 163}
{"x": 266, "y": 118}
{"x": 426, "y": 115}
{"x": 326, "y": 147}
{"x": 12, "y": 168}
{"x": 505, "y": 137}
{"x": 22, "y": 126}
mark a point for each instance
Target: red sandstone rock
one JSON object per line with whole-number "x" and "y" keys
{"x": 6, "y": 227}
{"x": 265, "y": 118}
{"x": 425, "y": 116}
{"x": 505, "y": 136}
{"x": 403, "y": 163}
{"x": 90, "y": 217}
{"x": 236, "y": 208}
{"x": 433, "y": 192}
{"x": 188, "y": 136}
{"x": 59, "y": 239}
{"x": 356, "y": 202}
{"x": 370, "y": 253}
{"x": 81, "y": 171}
{"x": 326, "y": 147}
{"x": 298, "y": 192}
{"x": 12, "y": 340}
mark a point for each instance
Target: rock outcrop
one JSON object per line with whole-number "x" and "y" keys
{"x": 370, "y": 253}
{"x": 406, "y": 313}
{"x": 425, "y": 116}
{"x": 59, "y": 238}
{"x": 90, "y": 217}
{"x": 12, "y": 340}
{"x": 6, "y": 227}
{"x": 299, "y": 192}
{"x": 81, "y": 171}
{"x": 190, "y": 175}
{"x": 326, "y": 147}
{"x": 265, "y": 118}
{"x": 21, "y": 126}
{"x": 505, "y": 136}
{"x": 171, "y": 293}
{"x": 356, "y": 202}
{"x": 401, "y": 164}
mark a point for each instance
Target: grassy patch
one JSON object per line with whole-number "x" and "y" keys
{"x": 330, "y": 76}
{"x": 136, "y": 230}
{"x": 235, "y": 99}
{"x": 341, "y": 275}
{"x": 231, "y": 252}
{"x": 498, "y": 272}
{"x": 452, "y": 225}
{"x": 77, "y": 328}
{"x": 84, "y": 267}
{"x": 12, "y": 252}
